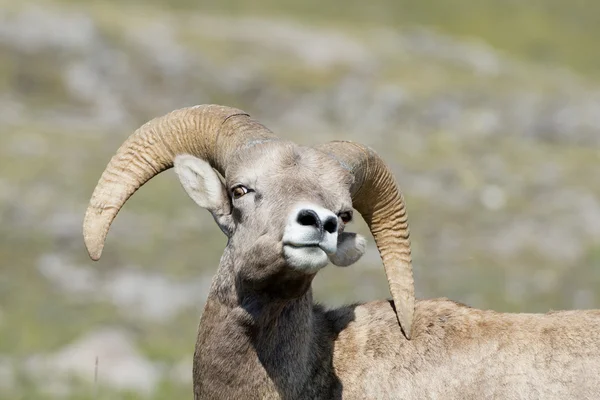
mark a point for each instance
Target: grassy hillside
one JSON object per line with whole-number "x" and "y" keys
{"x": 487, "y": 112}
{"x": 553, "y": 32}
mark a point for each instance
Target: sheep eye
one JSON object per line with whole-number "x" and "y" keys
{"x": 346, "y": 216}
{"x": 239, "y": 191}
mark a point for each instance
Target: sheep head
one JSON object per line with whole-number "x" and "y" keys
{"x": 284, "y": 207}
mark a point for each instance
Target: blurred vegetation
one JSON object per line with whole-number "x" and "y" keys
{"x": 496, "y": 147}
{"x": 555, "y": 32}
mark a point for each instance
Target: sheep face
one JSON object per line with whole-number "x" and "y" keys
{"x": 284, "y": 208}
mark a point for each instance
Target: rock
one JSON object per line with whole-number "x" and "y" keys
{"x": 68, "y": 277}
{"x": 493, "y": 197}
{"x": 119, "y": 364}
{"x": 152, "y": 296}
{"x": 7, "y": 374}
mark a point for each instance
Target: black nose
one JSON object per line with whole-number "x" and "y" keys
{"x": 309, "y": 217}
{"x": 330, "y": 224}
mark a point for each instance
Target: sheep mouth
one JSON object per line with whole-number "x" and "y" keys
{"x": 311, "y": 245}
{"x": 306, "y": 257}
{"x": 301, "y": 245}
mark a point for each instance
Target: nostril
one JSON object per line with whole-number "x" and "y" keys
{"x": 308, "y": 218}
{"x": 330, "y": 225}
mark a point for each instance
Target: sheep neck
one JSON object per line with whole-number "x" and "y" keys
{"x": 252, "y": 346}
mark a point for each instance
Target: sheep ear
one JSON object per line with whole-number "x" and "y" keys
{"x": 202, "y": 184}
{"x": 350, "y": 248}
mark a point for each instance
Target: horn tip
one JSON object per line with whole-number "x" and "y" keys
{"x": 94, "y": 243}
{"x": 94, "y": 249}
{"x": 95, "y": 255}
{"x": 404, "y": 316}
{"x": 406, "y": 328}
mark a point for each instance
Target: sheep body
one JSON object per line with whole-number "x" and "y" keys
{"x": 285, "y": 209}
{"x": 458, "y": 352}
{"x": 358, "y": 352}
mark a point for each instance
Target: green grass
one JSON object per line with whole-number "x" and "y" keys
{"x": 82, "y": 391}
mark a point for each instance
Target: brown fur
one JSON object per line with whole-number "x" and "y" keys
{"x": 261, "y": 336}
{"x": 294, "y": 350}
{"x": 459, "y": 352}
{"x": 299, "y": 351}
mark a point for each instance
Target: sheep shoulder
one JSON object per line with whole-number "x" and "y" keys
{"x": 461, "y": 352}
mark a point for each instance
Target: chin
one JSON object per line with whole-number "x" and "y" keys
{"x": 306, "y": 259}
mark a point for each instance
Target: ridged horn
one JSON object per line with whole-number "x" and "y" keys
{"x": 377, "y": 198}
{"x": 210, "y": 132}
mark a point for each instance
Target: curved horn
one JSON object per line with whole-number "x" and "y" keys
{"x": 376, "y": 197}
{"x": 209, "y": 132}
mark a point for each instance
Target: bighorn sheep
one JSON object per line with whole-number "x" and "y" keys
{"x": 284, "y": 208}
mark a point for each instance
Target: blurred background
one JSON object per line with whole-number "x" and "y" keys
{"x": 487, "y": 111}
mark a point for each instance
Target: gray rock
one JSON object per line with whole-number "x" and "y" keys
{"x": 107, "y": 356}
